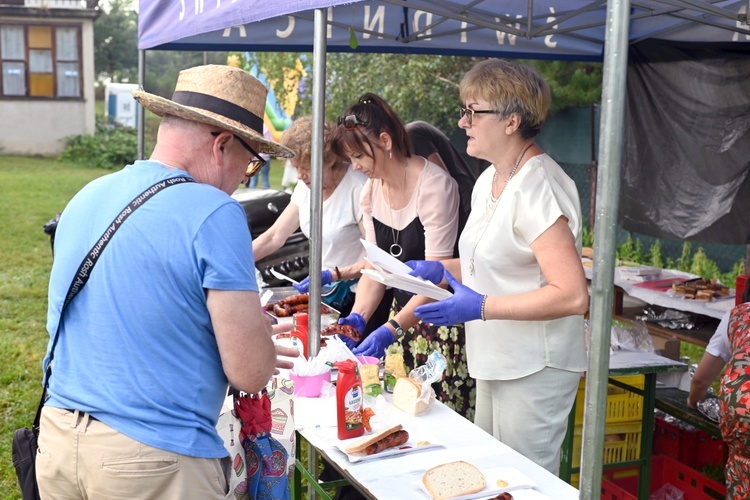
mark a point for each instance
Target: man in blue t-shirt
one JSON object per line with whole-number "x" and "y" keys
{"x": 170, "y": 314}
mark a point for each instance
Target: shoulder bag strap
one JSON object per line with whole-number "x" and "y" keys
{"x": 84, "y": 270}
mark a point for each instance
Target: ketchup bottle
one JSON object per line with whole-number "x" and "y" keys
{"x": 299, "y": 332}
{"x": 349, "y": 400}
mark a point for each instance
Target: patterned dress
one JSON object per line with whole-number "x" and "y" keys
{"x": 456, "y": 389}
{"x": 734, "y": 405}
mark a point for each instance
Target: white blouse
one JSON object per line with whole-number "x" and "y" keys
{"x": 341, "y": 215}
{"x": 499, "y": 241}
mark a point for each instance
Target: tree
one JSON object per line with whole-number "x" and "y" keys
{"x": 419, "y": 87}
{"x": 116, "y": 43}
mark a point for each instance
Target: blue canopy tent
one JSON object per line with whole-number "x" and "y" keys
{"x": 547, "y": 29}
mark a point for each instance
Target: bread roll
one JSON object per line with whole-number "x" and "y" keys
{"x": 453, "y": 479}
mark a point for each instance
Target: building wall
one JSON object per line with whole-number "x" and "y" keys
{"x": 39, "y": 126}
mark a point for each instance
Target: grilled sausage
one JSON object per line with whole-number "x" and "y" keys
{"x": 345, "y": 330}
{"x": 396, "y": 439}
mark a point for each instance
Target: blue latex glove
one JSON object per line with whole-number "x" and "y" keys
{"x": 431, "y": 270}
{"x": 304, "y": 286}
{"x": 350, "y": 343}
{"x": 375, "y": 343}
{"x": 465, "y": 305}
{"x": 355, "y": 320}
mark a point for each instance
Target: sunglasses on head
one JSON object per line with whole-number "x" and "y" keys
{"x": 255, "y": 164}
{"x": 469, "y": 113}
{"x": 350, "y": 122}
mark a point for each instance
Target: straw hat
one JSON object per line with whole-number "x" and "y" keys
{"x": 223, "y": 96}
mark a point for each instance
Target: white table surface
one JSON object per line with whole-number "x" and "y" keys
{"x": 713, "y": 309}
{"x": 401, "y": 476}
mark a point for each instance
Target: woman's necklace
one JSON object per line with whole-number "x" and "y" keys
{"x": 396, "y": 250}
{"x": 492, "y": 203}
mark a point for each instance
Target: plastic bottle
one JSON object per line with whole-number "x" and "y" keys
{"x": 299, "y": 332}
{"x": 349, "y": 400}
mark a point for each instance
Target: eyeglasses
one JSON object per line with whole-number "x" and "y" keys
{"x": 256, "y": 163}
{"x": 350, "y": 122}
{"x": 469, "y": 113}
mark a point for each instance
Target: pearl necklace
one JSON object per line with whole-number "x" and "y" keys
{"x": 492, "y": 202}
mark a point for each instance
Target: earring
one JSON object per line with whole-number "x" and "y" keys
{"x": 390, "y": 154}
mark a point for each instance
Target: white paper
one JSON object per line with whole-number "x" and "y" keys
{"x": 392, "y": 272}
{"x": 517, "y": 482}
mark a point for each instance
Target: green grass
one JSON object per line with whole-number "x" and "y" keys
{"x": 32, "y": 191}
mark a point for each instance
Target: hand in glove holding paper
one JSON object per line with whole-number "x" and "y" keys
{"x": 326, "y": 278}
{"x": 465, "y": 305}
{"x": 431, "y": 270}
{"x": 376, "y": 343}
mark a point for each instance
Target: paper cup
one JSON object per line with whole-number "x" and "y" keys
{"x": 309, "y": 387}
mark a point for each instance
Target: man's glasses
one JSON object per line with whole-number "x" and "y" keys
{"x": 469, "y": 113}
{"x": 350, "y": 122}
{"x": 256, "y": 163}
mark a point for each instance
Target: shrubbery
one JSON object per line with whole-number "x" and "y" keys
{"x": 112, "y": 146}
{"x": 696, "y": 263}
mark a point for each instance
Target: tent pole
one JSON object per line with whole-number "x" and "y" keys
{"x": 141, "y": 115}
{"x": 602, "y": 284}
{"x": 316, "y": 201}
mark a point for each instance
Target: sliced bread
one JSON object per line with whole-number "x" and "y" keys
{"x": 453, "y": 479}
{"x": 407, "y": 396}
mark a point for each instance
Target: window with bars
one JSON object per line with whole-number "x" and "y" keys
{"x": 40, "y": 61}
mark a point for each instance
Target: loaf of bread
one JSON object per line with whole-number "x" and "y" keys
{"x": 407, "y": 396}
{"x": 453, "y": 479}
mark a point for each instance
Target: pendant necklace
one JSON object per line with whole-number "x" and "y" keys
{"x": 396, "y": 250}
{"x": 492, "y": 202}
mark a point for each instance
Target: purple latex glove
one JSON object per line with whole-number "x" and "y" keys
{"x": 376, "y": 343}
{"x": 431, "y": 270}
{"x": 465, "y": 305}
{"x": 304, "y": 286}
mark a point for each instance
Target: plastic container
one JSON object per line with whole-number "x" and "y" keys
{"x": 622, "y": 442}
{"x": 309, "y": 387}
{"x": 675, "y": 441}
{"x": 299, "y": 331}
{"x": 623, "y": 484}
{"x": 349, "y": 400}
{"x": 622, "y": 405}
{"x": 368, "y": 360}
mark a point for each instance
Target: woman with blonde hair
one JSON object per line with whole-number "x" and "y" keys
{"x": 342, "y": 253}
{"x": 519, "y": 285}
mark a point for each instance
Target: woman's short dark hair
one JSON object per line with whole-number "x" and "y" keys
{"x": 374, "y": 116}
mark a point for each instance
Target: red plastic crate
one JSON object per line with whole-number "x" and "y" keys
{"x": 710, "y": 451}
{"x": 739, "y": 287}
{"x": 676, "y": 442}
{"x": 621, "y": 486}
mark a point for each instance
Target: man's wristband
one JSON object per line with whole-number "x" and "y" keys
{"x": 338, "y": 273}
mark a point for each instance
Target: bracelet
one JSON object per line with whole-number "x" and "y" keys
{"x": 338, "y": 273}
{"x": 484, "y": 304}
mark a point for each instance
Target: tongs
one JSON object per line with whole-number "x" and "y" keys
{"x": 283, "y": 277}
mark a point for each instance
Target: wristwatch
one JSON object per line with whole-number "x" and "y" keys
{"x": 398, "y": 332}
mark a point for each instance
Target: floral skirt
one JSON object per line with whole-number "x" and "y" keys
{"x": 734, "y": 418}
{"x": 457, "y": 389}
